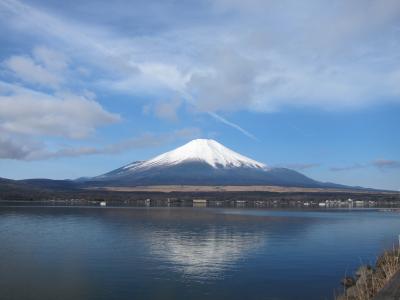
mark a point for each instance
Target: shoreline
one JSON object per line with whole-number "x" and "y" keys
{"x": 378, "y": 282}
{"x": 201, "y": 203}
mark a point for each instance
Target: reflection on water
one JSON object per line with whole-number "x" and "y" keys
{"x": 185, "y": 253}
{"x": 203, "y": 254}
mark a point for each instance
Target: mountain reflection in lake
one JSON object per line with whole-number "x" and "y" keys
{"x": 185, "y": 253}
{"x": 203, "y": 255}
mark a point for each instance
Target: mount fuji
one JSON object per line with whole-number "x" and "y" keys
{"x": 204, "y": 162}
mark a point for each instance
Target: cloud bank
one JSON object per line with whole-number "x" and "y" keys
{"x": 30, "y": 149}
{"x": 216, "y": 57}
{"x": 261, "y": 55}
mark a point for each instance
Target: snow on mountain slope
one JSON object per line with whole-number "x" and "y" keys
{"x": 202, "y": 162}
{"x": 200, "y": 150}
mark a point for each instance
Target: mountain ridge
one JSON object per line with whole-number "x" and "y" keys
{"x": 204, "y": 162}
{"x": 200, "y": 162}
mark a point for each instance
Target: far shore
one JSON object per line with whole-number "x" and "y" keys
{"x": 260, "y": 195}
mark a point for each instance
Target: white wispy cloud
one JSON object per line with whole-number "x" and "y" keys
{"x": 26, "y": 69}
{"x": 167, "y": 109}
{"x": 25, "y": 111}
{"x": 53, "y": 60}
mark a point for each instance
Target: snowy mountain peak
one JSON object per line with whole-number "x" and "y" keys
{"x": 202, "y": 162}
{"x": 200, "y": 150}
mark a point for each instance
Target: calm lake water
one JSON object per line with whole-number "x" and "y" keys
{"x": 185, "y": 253}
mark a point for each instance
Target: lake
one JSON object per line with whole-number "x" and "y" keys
{"x": 185, "y": 253}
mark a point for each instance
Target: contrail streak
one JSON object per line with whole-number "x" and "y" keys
{"x": 233, "y": 125}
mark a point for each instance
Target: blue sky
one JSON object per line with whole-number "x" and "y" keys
{"x": 309, "y": 85}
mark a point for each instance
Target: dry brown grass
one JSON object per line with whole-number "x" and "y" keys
{"x": 369, "y": 281}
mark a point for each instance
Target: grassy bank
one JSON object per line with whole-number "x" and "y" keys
{"x": 368, "y": 280}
